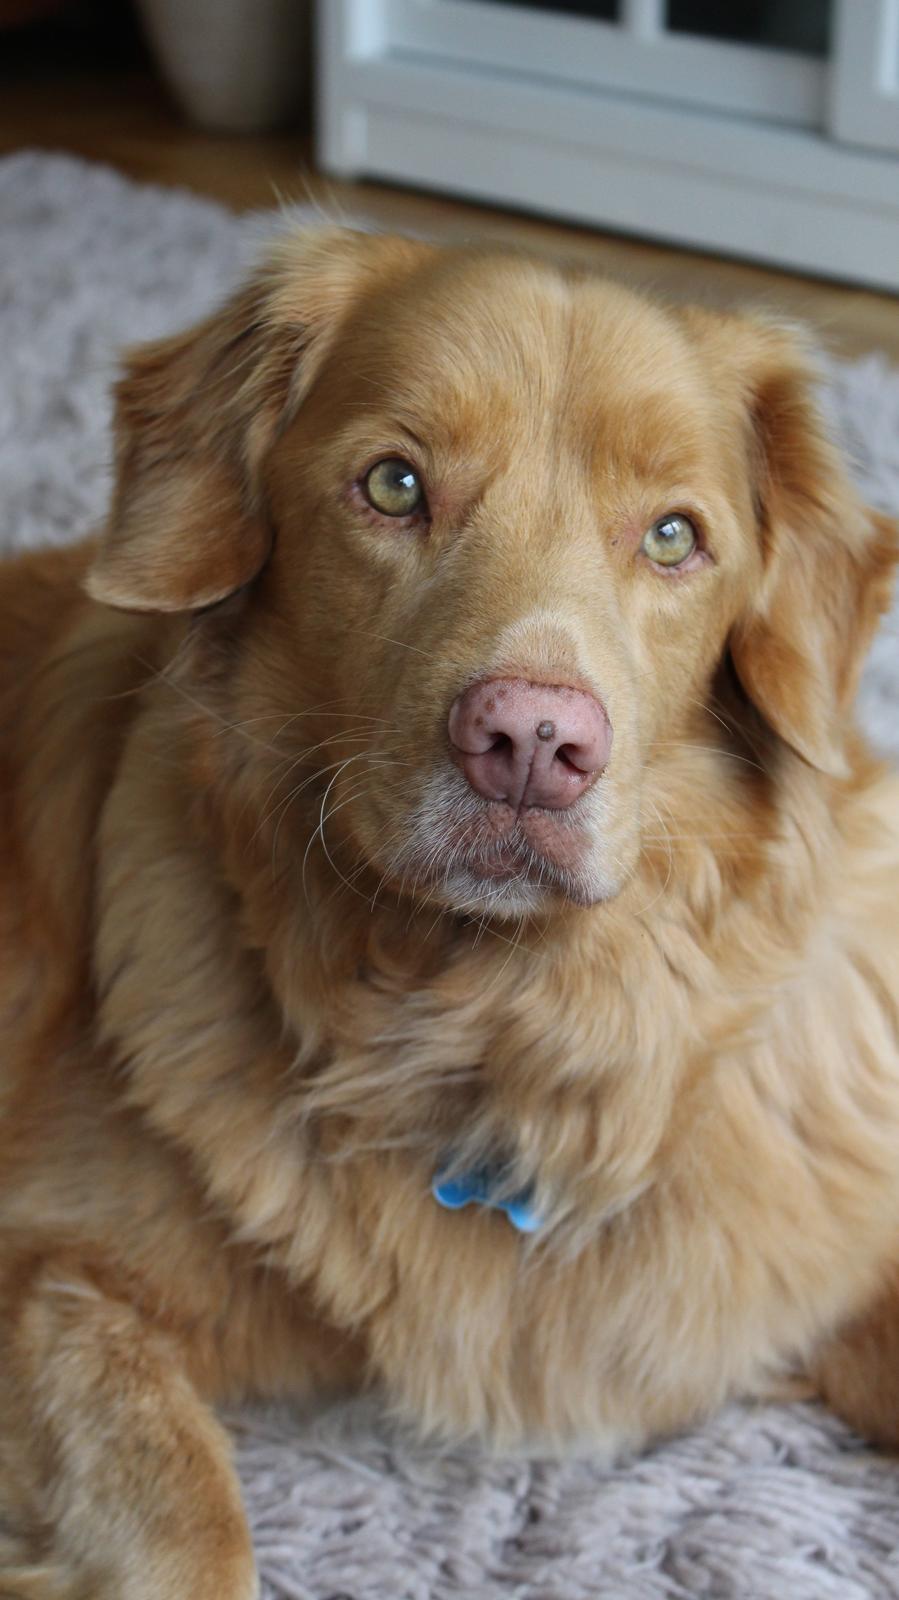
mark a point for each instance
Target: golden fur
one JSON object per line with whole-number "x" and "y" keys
{"x": 254, "y": 984}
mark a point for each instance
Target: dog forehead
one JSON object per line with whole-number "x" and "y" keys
{"x": 471, "y": 310}
{"x": 474, "y": 342}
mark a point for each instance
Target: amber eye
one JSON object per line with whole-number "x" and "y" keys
{"x": 394, "y": 488}
{"x": 670, "y": 540}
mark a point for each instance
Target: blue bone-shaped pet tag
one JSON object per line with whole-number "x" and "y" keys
{"x": 477, "y": 1189}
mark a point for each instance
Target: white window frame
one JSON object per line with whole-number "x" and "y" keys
{"x": 864, "y": 106}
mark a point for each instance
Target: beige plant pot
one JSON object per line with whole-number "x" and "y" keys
{"x": 234, "y": 65}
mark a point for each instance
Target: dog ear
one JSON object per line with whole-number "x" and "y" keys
{"x": 827, "y": 562}
{"x": 196, "y": 415}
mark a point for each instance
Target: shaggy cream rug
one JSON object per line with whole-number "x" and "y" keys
{"x": 763, "y": 1504}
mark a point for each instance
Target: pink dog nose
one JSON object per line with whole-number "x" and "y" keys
{"x": 530, "y": 744}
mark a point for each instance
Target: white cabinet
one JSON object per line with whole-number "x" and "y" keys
{"x": 762, "y": 128}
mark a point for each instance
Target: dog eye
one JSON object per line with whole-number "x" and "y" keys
{"x": 670, "y": 540}
{"x": 394, "y": 488}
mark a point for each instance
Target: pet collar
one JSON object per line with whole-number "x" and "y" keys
{"x": 478, "y": 1188}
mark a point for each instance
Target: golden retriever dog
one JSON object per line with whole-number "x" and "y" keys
{"x": 437, "y": 784}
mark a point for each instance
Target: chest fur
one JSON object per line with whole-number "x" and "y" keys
{"x": 715, "y": 1201}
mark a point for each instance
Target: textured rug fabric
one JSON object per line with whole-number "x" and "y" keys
{"x": 763, "y": 1504}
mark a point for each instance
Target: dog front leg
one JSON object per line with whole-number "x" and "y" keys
{"x": 115, "y": 1474}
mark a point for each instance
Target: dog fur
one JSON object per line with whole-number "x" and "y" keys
{"x": 264, "y": 966}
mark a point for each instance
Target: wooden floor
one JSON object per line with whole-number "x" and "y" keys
{"x": 124, "y": 118}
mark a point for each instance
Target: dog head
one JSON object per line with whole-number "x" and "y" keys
{"x": 497, "y": 528}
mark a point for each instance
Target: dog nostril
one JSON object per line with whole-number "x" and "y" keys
{"x": 501, "y": 741}
{"x": 546, "y": 730}
{"x": 564, "y": 756}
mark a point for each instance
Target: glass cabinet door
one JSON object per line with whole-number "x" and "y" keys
{"x": 599, "y": 10}
{"x": 761, "y": 58}
{"x": 802, "y": 25}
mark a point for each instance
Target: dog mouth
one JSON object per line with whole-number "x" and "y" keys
{"x": 527, "y": 844}
{"x": 508, "y": 860}
{"x": 491, "y": 849}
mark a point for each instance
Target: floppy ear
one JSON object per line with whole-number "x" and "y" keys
{"x": 827, "y": 561}
{"x": 196, "y": 415}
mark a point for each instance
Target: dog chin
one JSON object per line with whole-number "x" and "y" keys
{"x": 510, "y": 894}
{"x": 467, "y": 892}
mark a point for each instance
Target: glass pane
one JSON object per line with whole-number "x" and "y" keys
{"x": 599, "y": 10}
{"x": 777, "y": 24}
